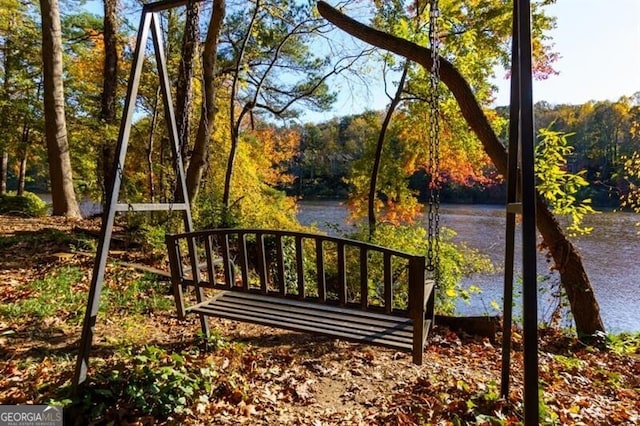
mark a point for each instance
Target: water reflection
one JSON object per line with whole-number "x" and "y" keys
{"x": 610, "y": 255}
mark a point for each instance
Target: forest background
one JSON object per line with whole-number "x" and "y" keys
{"x": 307, "y": 159}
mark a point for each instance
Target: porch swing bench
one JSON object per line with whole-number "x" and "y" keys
{"x": 304, "y": 282}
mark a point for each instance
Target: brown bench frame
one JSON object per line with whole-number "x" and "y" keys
{"x": 211, "y": 253}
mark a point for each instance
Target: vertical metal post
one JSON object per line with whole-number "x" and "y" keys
{"x": 521, "y": 149}
{"x": 512, "y": 198}
{"x": 529, "y": 250}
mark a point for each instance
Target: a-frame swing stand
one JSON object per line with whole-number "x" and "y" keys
{"x": 149, "y": 22}
{"x": 310, "y": 304}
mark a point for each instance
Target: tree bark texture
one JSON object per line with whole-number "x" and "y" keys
{"x": 200, "y": 154}
{"x": 4, "y": 164}
{"x": 4, "y": 115}
{"x": 24, "y": 148}
{"x": 150, "y": 143}
{"x": 107, "y": 156}
{"x": 184, "y": 91}
{"x": 60, "y": 174}
{"x": 582, "y": 300}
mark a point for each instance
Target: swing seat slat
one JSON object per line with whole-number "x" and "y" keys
{"x": 308, "y": 317}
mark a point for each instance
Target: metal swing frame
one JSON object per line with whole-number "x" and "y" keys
{"x": 149, "y": 22}
{"x": 521, "y": 194}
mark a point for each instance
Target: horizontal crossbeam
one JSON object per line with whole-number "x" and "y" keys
{"x": 151, "y": 207}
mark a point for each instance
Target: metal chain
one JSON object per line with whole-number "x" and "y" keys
{"x": 123, "y": 186}
{"x": 433, "y": 251}
{"x": 173, "y": 186}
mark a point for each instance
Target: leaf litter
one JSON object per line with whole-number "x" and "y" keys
{"x": 258, "y": 375}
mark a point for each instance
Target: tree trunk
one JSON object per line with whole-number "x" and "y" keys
{"x": 4, "y": 164}
{"x": 4, "y": 107}
{"x": 109, "y": 91}
{"x": 200, "y": 154}
{"x": 60, "y": 174}
{"x": 582, "y": 300}
{"x": 234, "y": 124}
{"x": 375, "y": 171}
{"x": 184, "y": 92}
{"x": 24, "y": 148}
{"x": 22, "y": 173}
{"x": 152, "y": 133}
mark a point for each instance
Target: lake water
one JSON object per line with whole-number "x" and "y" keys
{"x": 611, "y": 255}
